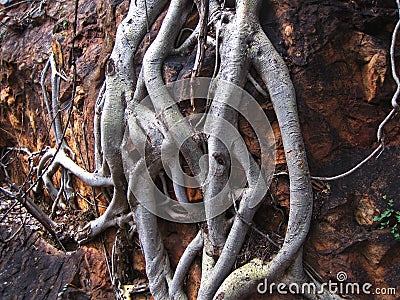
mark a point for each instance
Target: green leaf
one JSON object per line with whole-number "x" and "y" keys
{"x": 387, "y": 213}
{"x": 384, "y": 197}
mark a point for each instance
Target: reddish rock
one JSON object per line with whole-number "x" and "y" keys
{"x": 337, "y": 54}
{"x": 365, "y": 211}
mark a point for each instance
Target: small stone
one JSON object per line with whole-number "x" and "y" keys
{"x": 365, "y": 212}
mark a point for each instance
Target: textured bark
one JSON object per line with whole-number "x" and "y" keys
{"x": 337, "y": 58}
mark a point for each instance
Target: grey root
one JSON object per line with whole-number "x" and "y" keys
{"x": 241, "y": 44}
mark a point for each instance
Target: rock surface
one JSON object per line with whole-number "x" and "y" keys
{"x": 337, "y": 53}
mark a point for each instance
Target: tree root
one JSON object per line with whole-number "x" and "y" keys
{"x": 119, "y": 91}
{"x": 130, "y": 139}
{"x": 276, "y": 77}
{"x": 192, "y": 250}
{"x": 158, "y": 269}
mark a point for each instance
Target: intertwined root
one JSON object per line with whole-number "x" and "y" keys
{"x": 121, "y": 122}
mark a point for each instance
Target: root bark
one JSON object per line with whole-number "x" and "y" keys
{"x": 131, "y": 137}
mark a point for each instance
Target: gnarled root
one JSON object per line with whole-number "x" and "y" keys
{"x": 132, "y": 138}
{"x": 120, "y": 86}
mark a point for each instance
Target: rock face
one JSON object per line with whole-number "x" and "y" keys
{"x": 33, "y": 269}
{"x": 338, "y": 55}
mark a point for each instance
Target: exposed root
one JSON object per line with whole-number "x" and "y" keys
{"x": 163, "y": 104}
{"x": 98, "y": 151}
{"x": 114, "y": 216}
{"x": 202, "y": 7}
{"x": 158, "y": 268}
{"x": 276, "y": 77}
{"x": 234, "y": 68}
{"x": 61, "y": 159}
{"x": 192, "y": 250}
{"x": 120, "y": 85}
{"x": 130, "y": 139}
